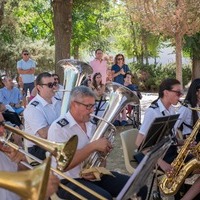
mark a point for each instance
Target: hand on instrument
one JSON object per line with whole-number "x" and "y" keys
{"x": 89, "y": 176}
{"x": 14, "y": 155}
{"x": 102, "y": 145}
{"x": 52, "y": 186}
{"x": 166, "y": 167}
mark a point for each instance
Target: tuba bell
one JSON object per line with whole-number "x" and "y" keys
{"x": 119, "y": 96}
{"x": 74, "y": 72}
{"x": 29, "y": 184}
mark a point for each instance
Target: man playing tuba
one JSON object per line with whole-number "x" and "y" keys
{"x": 77, "y": 121}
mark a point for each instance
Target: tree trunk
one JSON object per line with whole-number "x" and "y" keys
{"x": 1, "y": 12}
{"x": 62, "y": 21}
{"x": 178, "y": 42}
{"x": 195, "y": 67}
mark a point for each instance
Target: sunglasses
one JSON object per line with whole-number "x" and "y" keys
{"x": 179, "y": 93}
{"x": 50, "y": 85}
{"x": 88, "y": 106}
{"x": 2, "y": 123}
{"x": 25, "y": 54}
{"x": 119, "y": 58}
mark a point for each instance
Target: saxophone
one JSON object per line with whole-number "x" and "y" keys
{"x": 170, "y": 185}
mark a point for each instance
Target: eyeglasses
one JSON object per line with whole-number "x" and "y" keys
{"x": 2, "y": 123}
{"x": 49, "y": 85}
{"x": 119, "y": 58}
{"x": 56, "y": 79}
{"x": 88, "y": 106}
{"x": 179, "y": 93}
{"x": 26, "y": 54}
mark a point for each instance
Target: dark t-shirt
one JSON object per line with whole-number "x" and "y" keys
{"x": 120, "y": 77}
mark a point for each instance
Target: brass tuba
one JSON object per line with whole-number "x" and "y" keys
{"x": 119, "y": 97}
{"x": 74, "y": 72}
{"x": 29, "y": 184}
{"x": 170, "y": 184}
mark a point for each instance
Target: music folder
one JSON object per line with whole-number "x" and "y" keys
{"x": 143, "y": 170}
{"x": 161, "y": 127}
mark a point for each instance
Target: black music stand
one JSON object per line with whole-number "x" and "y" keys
{"x": 144, "y": 169}
{"x": 160, "y": 128}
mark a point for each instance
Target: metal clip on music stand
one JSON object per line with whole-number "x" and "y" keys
{"x": 158, "y": 140}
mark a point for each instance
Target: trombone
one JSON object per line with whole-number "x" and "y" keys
{"x": 63, "y": 152}
{"x": 29, "y": 184}
{"x": 34, "y": 139}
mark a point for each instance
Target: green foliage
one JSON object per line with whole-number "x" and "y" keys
{"x": 35, "y": 19}
{"x": 87, "y": 25}
{"x": 192, "y": 45}
{"x": 150, "y": 76}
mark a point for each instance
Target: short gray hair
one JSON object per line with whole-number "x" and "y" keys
{"x": 80, "y": 92}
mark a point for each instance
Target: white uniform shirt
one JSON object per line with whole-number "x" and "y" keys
{"x": 39, "y": 114}
{"x": 152, "y": 113}
{"x": 185, "y": 118}
{"x": 7, "y": 165}
{"x": 63, "y": 129}
{"x": 59, "y": 94}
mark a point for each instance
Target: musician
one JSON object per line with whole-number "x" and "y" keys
{"x": 77, "y": 122}
{"x": 59, "y": 94}
{"x": 41, "y": 112}
{"x": 10, "y": 159}
{"x": 192, "y": 99}
{"x": 169, "y": 94}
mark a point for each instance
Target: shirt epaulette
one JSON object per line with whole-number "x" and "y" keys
{"x": 58, "y": 99}
{"x": 62, "y": 122}
{"x": 154, "y": 105}
{"x": 35, "y": 103}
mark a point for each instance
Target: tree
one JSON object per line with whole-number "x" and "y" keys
{"x": 171, "y": 18}
{"x": 62, "y": 22}
{"x": 192, "y": 46}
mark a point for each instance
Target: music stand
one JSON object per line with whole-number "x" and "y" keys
{"x": 160, "y": 128}
{"x": 144, "y": 169}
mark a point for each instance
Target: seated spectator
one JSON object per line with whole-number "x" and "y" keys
{"x": 1, "y": 82}
{"x": 97, "y": 86}
{"x": 109, "y": 77}
{"x": 99, "y": 89}
{"x": 33, "y": 94}
{"x": 11, "y": 95}
{"x": 10, "y": 116}
{"x": 128, "y": 83}
{"x": 58, "y": 94}
{"x": 20, "y": 85}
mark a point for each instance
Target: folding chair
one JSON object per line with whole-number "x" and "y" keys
{"x": 128, "y": 145}
{"x": 134, "y": 115}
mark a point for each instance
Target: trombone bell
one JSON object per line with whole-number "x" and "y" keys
{"x": 29, "y": 184}
{"x": 63, "y": 152}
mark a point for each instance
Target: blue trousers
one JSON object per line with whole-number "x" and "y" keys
{"x": 108, "y": 187}
{"x": 29, "y": 86}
